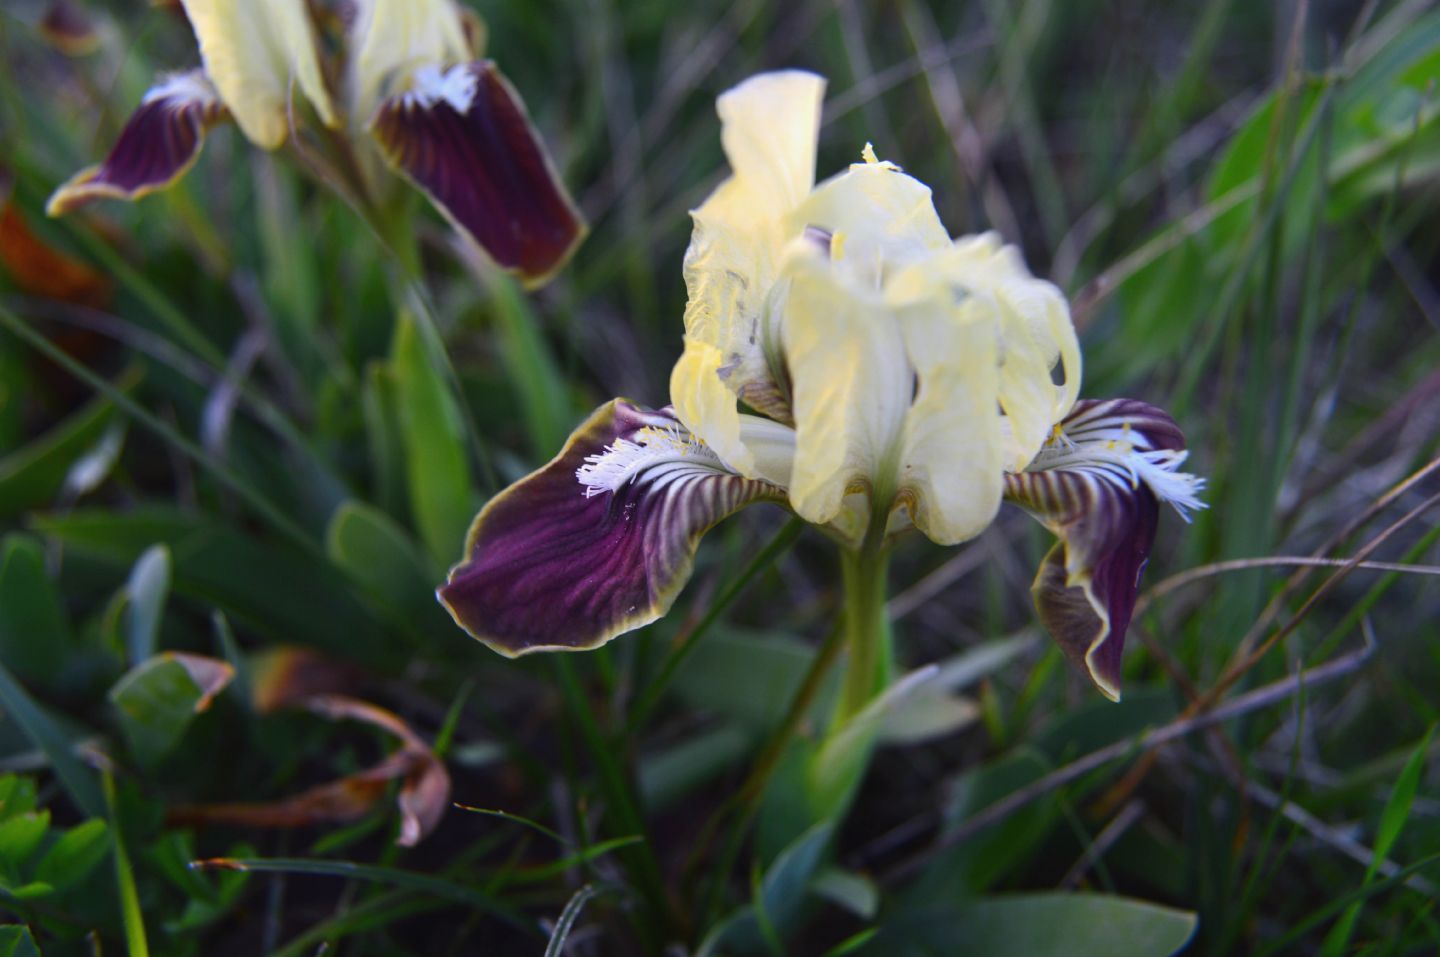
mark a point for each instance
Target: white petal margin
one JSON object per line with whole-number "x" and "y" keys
{"x": 253, "y": 50}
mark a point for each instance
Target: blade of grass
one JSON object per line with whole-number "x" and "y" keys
{"x": 389, "y": 876}
{"x": 130, "y": 913}
{"x": 47, "y": 736}
{"x": 1392, "y": 821}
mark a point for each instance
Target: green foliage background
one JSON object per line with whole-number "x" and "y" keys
{"x": 270, "y": 437}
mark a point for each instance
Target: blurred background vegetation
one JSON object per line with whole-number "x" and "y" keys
{"x": 239, "y": 446}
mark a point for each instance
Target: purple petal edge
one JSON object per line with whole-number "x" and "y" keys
{"x": 1087, "y": 584}
{"x": 160, "y": 142}
{"x": 552, "y": 569}
{"x": 485, "y": 168}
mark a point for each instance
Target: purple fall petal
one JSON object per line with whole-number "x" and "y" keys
{"x": 1096, "y": 489}
{"x": 551, "y": 567}
{"x": 463, "y": 137}
{"x": 159, "y": 143}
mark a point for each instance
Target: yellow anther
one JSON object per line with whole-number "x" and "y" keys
{"x": 837, "y": 246}
{"x": 868, "y": 154}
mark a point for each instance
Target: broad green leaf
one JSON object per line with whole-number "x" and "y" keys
{"x": 157, "y": 699}
{"x": 532, "y": 369}
{"x": 15, "y": 941}
{"x": 46, "y": 735}
{"x": 671, "y": 774}
{"x": 17, "y": 795}
{"x": 148, "y": 587}
{"x": 779, "y": 898}
{"x": 78, "y": 851}
{"x": 20, "y": 836}
{"x": 844, "y": 754}
{"x": 381, "y": 558}
{"x": 1041, "y": 925}
{"x": 858, "y": 894}
{"x": 34, "y": 637}
{"x": 437, "y": 470}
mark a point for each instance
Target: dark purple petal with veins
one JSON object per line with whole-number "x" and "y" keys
{"x": 463, "y": 137}
{"x": 1098, "y": 485}
{"x": 598, "y": 542}
{"x": 159, "y": 143}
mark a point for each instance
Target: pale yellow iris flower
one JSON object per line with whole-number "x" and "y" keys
{"x": 846, "y": 311}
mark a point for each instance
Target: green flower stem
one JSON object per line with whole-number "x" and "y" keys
{"x": 864, "y": 619}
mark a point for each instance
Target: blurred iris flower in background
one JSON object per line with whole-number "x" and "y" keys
{"x": 402, "y": 80}
{"x": 903, "y": 379}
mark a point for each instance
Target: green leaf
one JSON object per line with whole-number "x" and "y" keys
{"x": 34, "y": 637}
{"x": 1042, "y": 925}
{"x": 19, "y": 837}
{"x": 47, "y": 736}
{"x": 532, "y": 369}
{"x": 148, "y": 587}
{"x": 157, "y": 699}
{"x": 379, "y": 556}
{"x": 436, "y": 468}
{"x": 779, "y": 897}
{"x": 15, "y": 941}
{"x": 17, "y": 796}
{"x": 78, "y": 851}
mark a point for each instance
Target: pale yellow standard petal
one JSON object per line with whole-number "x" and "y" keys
{"x": 878, "y": 216}
{"x": 391, "y": 38}
{"x": 252, "y": 51}
{"x": 950, "y": 469}
{"x": 852, "y": 386}
{"x": 770, "y": 127}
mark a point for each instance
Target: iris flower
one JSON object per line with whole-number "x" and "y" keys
{"x": 402, "y": 82}
{"x": 845, "y": 358}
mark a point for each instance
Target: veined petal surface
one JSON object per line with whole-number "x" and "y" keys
{"x": 159, "y": 144}
{"x": 252, "y": 50}
{"x": 1098, "y": 486}
{"x": 462, "y": 136}
{"x": 770, "y": 128}
{"x": 599, "y": 541}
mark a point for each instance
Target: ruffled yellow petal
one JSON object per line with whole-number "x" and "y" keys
{"x": 852, "y": 386}
{"x": 706, "y": 407}
{"x": 1036, "y": 333}
{"x": 252, "y": 50}
{"x": 877, "y": 216}
{"x": 950, "y": 468}
{"x": 770, "y": 126}
{"x": 392, "y": 38}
